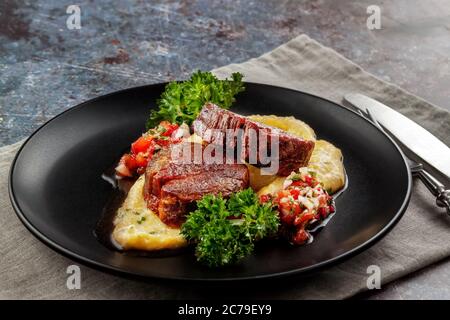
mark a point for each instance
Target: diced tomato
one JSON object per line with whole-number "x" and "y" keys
{"x": 293, "y": 210}
{"x": 306, "y": 217}
{"x": 285, "y": 207}
{"x": 300, "y": 237}
{"x": 141, "y": 144}
{"x": 294, "y": 193}
{"x": 286, "y": 216}
{"x": 127, "y": 165}
{"x": 163, "y": 142}
{"x": 296, "y": 209}
{"x": 309, "y": 180}
{"x": 323, "y": 212}
{"x": 141, "y": 160}
{"x": 169, "y": 128}
{"x": 282, "y": 193}
{"x": 143, "y": 148}
{"x": 129, "y": 161}
{"x": 264, "y": 198}
{"x": 299, "y": 183}
{"x": 122, "y": 170}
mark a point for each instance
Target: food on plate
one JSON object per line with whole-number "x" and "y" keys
{"x": 326, "y": 159}
{"x": 326, "y": 162}
{"x": 171, "y": 187}
{"x": 289, "y": 124}
{"x": 257, "y": 179}
{"x": 213, "y": 122}
{"x": 181, "y": 101}
{"x": 273, "y": 187}
{"x": 301, "y": 203}
{"x": 137, "y": 227}
{"x": 187, "y": 189}
{"x": 149, "y": 143}
{"x": 225, "y": 231}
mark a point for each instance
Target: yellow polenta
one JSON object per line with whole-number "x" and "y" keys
{"x": 137, "y": 227}
{"x": 326, "y": 159}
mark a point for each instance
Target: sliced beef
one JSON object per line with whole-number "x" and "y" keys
{"x": 171, "y": 188}
{"x": 212, "y": 125}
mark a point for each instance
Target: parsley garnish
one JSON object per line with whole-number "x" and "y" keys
{"x": 225, "y": 231}
{"x": 182, "y": 101}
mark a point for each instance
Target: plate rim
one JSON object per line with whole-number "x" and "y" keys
{"x": 282, "y": 274}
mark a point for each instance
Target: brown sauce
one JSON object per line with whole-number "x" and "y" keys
{"x": 105, "y": 226}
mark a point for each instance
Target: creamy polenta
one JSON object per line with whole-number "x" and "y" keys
{"x": 137, "y": 227}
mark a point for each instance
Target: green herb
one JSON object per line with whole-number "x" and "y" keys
{"x": 160, "y": 129}
{"x": 142, "y": 219}
{"x": 182, "y": 101}
{"x": 225, "y": 231}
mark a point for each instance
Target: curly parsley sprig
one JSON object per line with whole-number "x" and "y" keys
{"x": 182, "y": 101}
{"x": 225, "y": 231}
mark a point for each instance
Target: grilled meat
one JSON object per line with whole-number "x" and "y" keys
{"x": 171, "y": 188}
{"x": 214, "y": 123}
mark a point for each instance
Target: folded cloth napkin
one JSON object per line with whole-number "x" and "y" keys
{"x": 30, "y": 270}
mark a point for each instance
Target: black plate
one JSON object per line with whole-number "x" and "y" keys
{"x": 58, "y": 193}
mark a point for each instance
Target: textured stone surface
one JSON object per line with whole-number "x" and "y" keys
{"x": 46, "y": 68}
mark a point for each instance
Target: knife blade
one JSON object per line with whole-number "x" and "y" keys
{"x": 416, "y": 138}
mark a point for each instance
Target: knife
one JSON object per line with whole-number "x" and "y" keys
{"x": 413, "y": 136}
{"x": 434, "y": 185}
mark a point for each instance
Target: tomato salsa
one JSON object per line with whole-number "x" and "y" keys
{"x": 302, "y": 202}
{"x": 142, "y": 150}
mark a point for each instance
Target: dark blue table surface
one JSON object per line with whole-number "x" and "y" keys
{"x": 45, "y": 68}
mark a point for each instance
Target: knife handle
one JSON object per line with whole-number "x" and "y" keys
{"x": 436, "y": 188}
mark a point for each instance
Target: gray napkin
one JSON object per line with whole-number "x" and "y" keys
{"x": 30, "y": 270}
